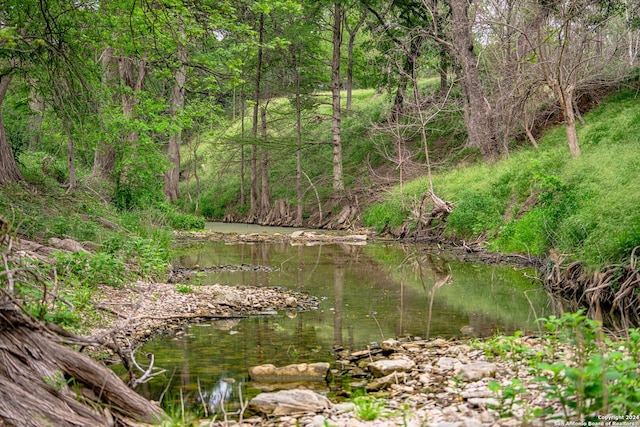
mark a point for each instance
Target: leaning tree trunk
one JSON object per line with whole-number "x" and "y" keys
{"x": 8, "y": 167}
{"x": 566, "y": 104}
{"x": 478, "y": 118}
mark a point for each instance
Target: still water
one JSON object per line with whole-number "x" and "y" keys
{"x": 368, "y": 293}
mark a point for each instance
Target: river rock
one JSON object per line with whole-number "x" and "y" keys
{"x": 449, "y": 363}
{"x": 286, "y": 402}
{"x": 67, "y": 245}
{"x": 386, "y": 381}
{"x": 383, "y": 367}
{"x": 292, "y": 373}
{"x": 390, "y": 346}
{"x": 478, "y": 370}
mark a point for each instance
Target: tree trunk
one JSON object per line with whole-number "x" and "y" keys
{"x": 566, "y": 103}
{"x": 9, "y": 171}
{"x": 405, "y": 75}
{"x": 36, "y": 105}
{"x": 44, "y": 383}
{"x": 265, "y": 197}
{"x": 253, "y": 189}
{"x": 253, "y": 208}
{"x": 71, "y": 161}
{"x": 104, "y": 158}
{"x": 172, "y": 176}
{"x": 243, "y": 195}
{"x": 299, "y": 192}
{"x": 132, "y": 75}
{"x": 443, "y": 72}
{"x": 478, "y": 118}
{"x": 338, "y": 181}
{"x": 352, "y": 40}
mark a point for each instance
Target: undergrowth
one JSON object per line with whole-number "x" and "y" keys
{"x": 588, "y": 373}
{"x": 121, "y": 246}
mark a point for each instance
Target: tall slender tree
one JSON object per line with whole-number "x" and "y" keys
{"x": 336, "y": 118}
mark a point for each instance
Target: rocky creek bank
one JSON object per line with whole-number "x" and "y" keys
{"x": 411, "y": 382}
{"x": 437, "y": 382}
{"x": 415, "y": 382}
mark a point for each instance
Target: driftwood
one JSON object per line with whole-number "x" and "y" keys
{"x": 427, "y": 223}
{"x": 441, "y": 209}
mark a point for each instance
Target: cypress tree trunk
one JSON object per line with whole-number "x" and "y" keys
{"x": 9, "y": 171}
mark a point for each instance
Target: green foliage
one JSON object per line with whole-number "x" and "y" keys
{"x": 56, "y": 380}
{"x": 136, "y": 246}
{"x": 580, "y": 367}
{"x": 508, "y": 395}
{"x": 42, "y": 168}
{"x": 149, "y": 257}
{"x": 184, "y": 288}
{"x": 185, "y": 221}
{"x": 368, "y": 408}
{"x": 387, "y": 213}
{"x": 530, "y": 234}
{"x": 178, "y": 416}
{"x": 474, "y": 213}
{"x": 179, "y": 220}
{"x": 599, "y": 376}
{"x": 91, "y": 269}
{"x": 216, "y": 205}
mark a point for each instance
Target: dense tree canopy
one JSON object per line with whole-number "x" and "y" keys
{"x": 123, "y": 87}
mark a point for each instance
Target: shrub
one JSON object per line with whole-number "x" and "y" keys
{"x": 185, "y": 221}
{"x": 600, "y": 377}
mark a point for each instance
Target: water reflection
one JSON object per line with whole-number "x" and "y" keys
{"x": 412, "y": 290}
{"x": 368, "y": 293}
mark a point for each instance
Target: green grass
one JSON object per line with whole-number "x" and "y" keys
{"x": 585, "y": 207}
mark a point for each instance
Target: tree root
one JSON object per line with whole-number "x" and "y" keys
{"x": 611, "y": 295}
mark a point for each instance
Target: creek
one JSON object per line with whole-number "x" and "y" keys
{"x": 368, "y": 293}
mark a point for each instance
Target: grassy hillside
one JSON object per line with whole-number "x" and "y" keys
{"x": 538, "y": 199}
{"x": 531, "y": 202}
